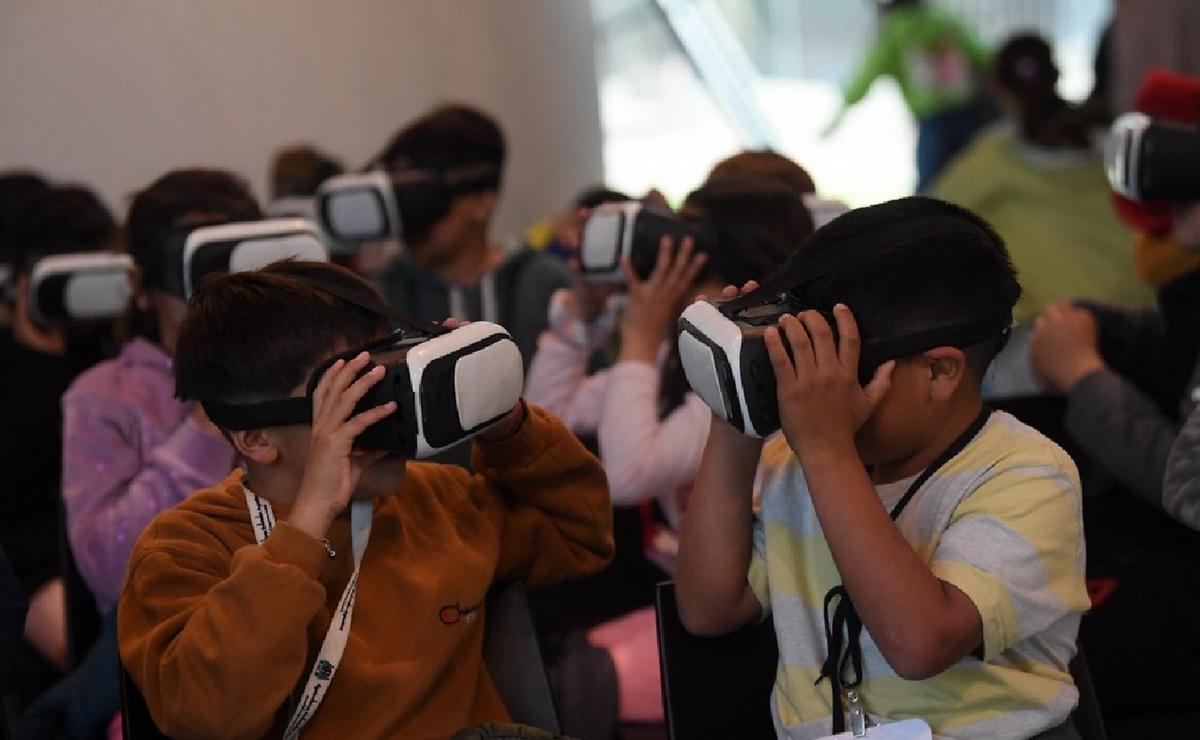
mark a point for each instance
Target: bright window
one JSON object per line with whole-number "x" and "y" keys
{"x": 684, "y": 83}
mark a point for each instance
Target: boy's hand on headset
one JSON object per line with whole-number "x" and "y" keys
{"x": 821, "y": 404}
{"x": 509, "y": 425}
{"x": 333, "y": 468}
{"x": 654, "y": 303}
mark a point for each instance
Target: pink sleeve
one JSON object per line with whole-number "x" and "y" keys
{"x": 646, "y": 457}
{"x": 559, "y": 383}
{"x": 112, "y": 488}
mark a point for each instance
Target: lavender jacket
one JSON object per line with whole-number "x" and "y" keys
{"x": 130, "y": 450}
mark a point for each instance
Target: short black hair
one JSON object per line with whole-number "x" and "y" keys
{"x": 175, "y": 200}
{"x": 17, "y": 188}
{"x": 64, "y": 218}
{"x": 946, "y": 266}
{"x": 254, "y": 336}
{"x": 755, "y": 223}
{"x": 448, "y": 137}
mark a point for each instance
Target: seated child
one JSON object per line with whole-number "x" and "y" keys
{"x": 651, "y": 428}
{"x": 951, "y": 534}
{"x": 130, "y": 448}
{"x": 221, "y": 634}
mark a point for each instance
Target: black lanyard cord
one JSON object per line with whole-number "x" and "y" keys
{"x": 844, "y": 629}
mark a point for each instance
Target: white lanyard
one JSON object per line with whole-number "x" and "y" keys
{"x": 488, "y": 305}
{"x": 487, "y": 297}
{"x": 262, "y": 516}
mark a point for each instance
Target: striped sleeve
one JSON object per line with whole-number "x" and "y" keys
{"x": 1015, "y": 547}
{"x": 756, "y": 576}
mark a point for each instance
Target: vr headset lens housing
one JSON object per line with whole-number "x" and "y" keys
{"x": 447, "y": 389}
{"x": 395, "y": 205}
{"x": 1153, "y": 159}
{"x": 632, "y": 230}
{"x": 79, "y": 287}
{"x": 241, "y": 247}
{"x": 358, "y": 208}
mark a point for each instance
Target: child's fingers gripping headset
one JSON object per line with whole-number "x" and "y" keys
{"x": 334, "y": 428}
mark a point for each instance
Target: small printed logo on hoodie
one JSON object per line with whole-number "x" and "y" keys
{"x": 452, "y": 614}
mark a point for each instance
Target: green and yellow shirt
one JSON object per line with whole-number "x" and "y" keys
{"x": 1002, "y": 522}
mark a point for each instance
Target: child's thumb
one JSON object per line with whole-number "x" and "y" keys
{"x": 880, "y": 383}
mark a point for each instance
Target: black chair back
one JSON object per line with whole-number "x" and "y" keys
{"x": 136, "y": 723}
{"x": 1089, "y": 723}
{"x": 715, "y": 686}
{"x": 514, "y": 658}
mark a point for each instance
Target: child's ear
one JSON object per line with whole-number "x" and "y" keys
{"x": 948, "y": 367}
{"x": 255, "y": 445}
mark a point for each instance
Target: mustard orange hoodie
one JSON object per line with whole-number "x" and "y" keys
{"x": 220, "y": 633}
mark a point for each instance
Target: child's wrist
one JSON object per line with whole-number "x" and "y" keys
{"x": 825, "y": 451}
{"x": 311, "y": 517}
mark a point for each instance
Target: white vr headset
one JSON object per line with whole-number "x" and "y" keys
{"x": 725, "y": 358}
{"x": 380, "y": 204}
{"x": 88, "y": 286}
{"x": 1153, "y": 159}
{"x": 448, "y": 385}
{"x": 94, "y": 286}
{"x": 630, "y": 230}
{"x": 633, "y": 230}
{"x": 245, "y": 246}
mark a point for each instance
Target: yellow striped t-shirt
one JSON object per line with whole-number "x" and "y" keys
{"x": 1002, "y": 522}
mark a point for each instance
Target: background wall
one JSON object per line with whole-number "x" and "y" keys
{"x": 115, "y": 93}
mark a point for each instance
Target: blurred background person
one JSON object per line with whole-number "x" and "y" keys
{"x": 450, "y": 265}
{"x": 1038, "y": 179}
{"x": 650, "y": 426}
{"x": 37, "y": 364}
{"x": 938, "y": 65}
{"x": 16, "y": 188}
{"x": 297, "y": 171}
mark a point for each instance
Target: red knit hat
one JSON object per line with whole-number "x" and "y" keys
{"x": 1170, "y": 95}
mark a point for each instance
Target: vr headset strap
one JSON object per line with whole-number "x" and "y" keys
{"x": 375, "y": 306}
{"x": 807, "y": 269}
{"x": 242, "y": 416}
{"x": 298, "y": 410}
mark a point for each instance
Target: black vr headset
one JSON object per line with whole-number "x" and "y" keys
{"x": 81, "y": 287}
{"x": 633, "y": 230}
{"x": 381, "y": 204}
{"x": 1153, "y": 159}
{"x": 448, "y": 384}
{"x": 721, "y": 342}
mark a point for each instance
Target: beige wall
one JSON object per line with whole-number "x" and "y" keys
{"x": 115, "y": 92}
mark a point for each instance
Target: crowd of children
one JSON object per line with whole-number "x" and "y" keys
{"x": 918, "y": 550}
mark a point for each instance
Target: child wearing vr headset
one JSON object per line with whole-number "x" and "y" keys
{"x": 919, "y": 556}
{"x": 333, "y": 583}
{"x": 130, "y": 448}
{"x": 38, "y": 362}
{"x": 450, "y": 266}
{"x": 651, "y": 429}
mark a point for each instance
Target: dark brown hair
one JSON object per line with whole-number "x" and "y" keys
{"x": 447, "y": 137}
{"x": 254, "y": 336}
{"x": 764, "y": 163}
